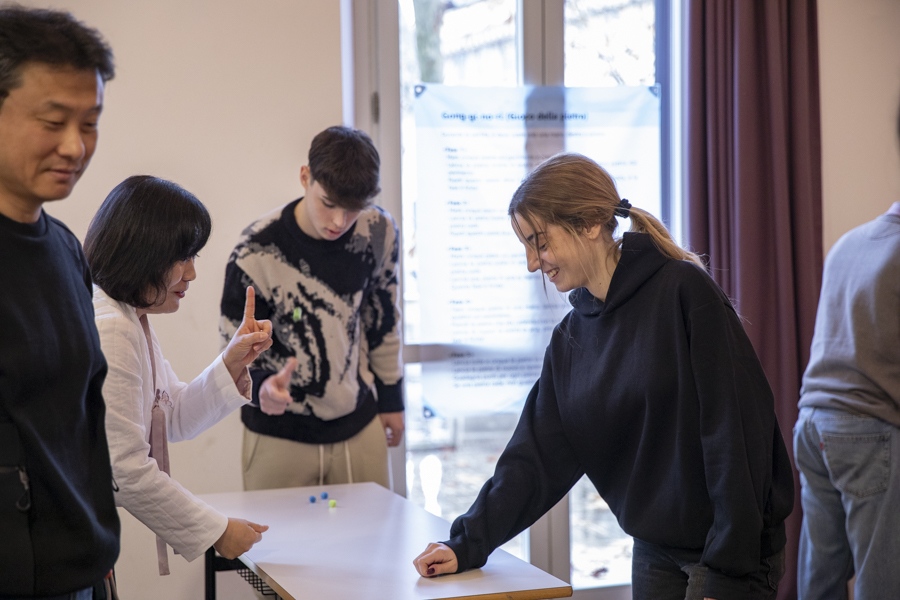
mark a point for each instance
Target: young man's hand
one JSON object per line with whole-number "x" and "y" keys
{"x": 393, "y": 427}
{"x": 275, "y": 391}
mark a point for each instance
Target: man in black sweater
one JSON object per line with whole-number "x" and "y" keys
{"x": 58, "y": 522}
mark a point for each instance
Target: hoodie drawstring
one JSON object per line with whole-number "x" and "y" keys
{"x": 349, "y": 469}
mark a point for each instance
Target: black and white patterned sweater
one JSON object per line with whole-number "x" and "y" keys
{"x": 334, "y": 306}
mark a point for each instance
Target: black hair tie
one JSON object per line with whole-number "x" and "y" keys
{"x": 624, "y": 209}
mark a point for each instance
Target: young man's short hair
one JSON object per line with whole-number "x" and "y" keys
{"x": 51, "y": 37}
{"x": 345, "y": 163}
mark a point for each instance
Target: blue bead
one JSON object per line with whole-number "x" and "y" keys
{"x": 324, "y": 495}
{"x": 312, "y": 499}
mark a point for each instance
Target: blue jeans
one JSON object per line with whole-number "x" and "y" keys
{"x": 850, "y": 476}
{"x": 660, "y": 573}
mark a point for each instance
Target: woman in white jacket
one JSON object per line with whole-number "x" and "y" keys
{"x": 141, "y": 247}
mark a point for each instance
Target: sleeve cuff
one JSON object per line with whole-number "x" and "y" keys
{"x": 258, "y": 376}
{"x": 219, "y": 523}
{"x": 390, "y": 396}
{"x": 224, "y": 386}
{"x": 459, "y": 549}
{"x": 245, "y": 384}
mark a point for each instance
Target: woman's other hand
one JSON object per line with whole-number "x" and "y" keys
{"x": 438, "y": 559}
{"x": 250, "y": 340}
{"x": 239, "y": 536}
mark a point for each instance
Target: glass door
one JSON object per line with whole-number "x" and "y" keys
{"x": 606, "y": 43}
{"x": 451, "y": 450}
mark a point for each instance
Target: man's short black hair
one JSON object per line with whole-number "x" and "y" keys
{"x": 345, "y": 163}
{"x": 51, "y": 37}
{"x": 141, "y": 230}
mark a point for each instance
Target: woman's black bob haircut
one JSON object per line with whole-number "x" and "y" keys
{"x": 142, "y": 229}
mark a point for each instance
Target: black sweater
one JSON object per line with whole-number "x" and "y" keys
{"x": 657, "y": 395}
{"x": 51, "y": 418}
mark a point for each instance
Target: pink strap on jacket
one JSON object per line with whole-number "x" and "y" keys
{"x": 159, "y": 443}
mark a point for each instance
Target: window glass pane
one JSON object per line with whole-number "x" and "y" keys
{"x": 600, "y": 550}
{"x": 470, "y": 43}
{"x": 610, "y": 42}
{"x": 448, "y": 460}
{"x": 465, "y": 43}
{"x": 478, "y": 43}
{"x": 607, "y": 43}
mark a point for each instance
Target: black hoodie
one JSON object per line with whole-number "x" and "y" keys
{"x": 657, "y": 395}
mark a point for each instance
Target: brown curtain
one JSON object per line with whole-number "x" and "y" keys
{"x": 754, "y": 191}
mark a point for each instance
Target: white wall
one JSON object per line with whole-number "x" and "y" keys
{"x": 859, "y": 54}
{"x": 222, "y": 97}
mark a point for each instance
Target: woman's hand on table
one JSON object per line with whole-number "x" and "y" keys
{"x": 239, "y": 536}
{"x": 438, "y": 559}
{"x": 250, "y": 340}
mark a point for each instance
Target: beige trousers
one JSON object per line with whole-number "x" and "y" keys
{"x": 270, "y": 462}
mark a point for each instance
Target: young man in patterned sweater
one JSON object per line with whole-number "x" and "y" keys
{"x": 327, "y": 396}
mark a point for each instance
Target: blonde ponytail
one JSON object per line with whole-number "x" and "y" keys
{"x": 644, "y": 222}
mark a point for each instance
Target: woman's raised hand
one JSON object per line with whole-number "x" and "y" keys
{"x": 438, "y": 559}
{"x": 250, "y": 340}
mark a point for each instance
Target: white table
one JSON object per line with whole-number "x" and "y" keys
{"x": 364, "y": 548}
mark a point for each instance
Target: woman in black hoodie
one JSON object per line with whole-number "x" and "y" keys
{"x": 652, "y": 389}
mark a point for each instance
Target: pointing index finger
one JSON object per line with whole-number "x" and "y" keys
{"x": 250, "y": 305}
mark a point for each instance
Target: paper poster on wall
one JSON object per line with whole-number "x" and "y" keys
{"x": 474, "y": 146}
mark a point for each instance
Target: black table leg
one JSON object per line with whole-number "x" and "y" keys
{"x": 213, "y": 565}
{"x": 211, "y": 574}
